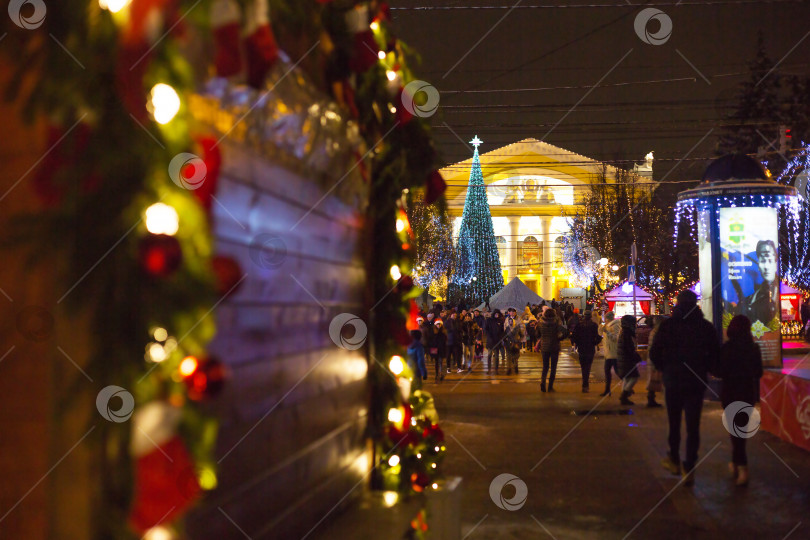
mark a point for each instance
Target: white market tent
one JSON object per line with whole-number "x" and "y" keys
{"x": 515, "y": 294}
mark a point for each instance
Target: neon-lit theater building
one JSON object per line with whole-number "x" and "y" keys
{"x": 533, "y": 188}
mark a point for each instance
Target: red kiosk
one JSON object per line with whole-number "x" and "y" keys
{"x": 620, "y": 300}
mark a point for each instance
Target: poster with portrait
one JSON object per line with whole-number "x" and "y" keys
{"x": 749, "y": 267}
{"x": 530, "y": 254}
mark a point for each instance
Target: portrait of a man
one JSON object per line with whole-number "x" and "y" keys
{"x": 763, "y": 304}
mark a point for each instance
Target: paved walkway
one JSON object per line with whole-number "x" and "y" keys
{"x": 598, "y": 475}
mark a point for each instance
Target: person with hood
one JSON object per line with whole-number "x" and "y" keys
{"x": 610, "y": 331}
{"x": 416, "y": 355}
{"x": 439, "y": 344}
{"x": 586, "y": 337}
{"x": 550, "y": 332}
{"x": 740, "y": 368}
{"x": 494, "y": 335}
{"x": 684, "y": 350}
{"x": 628, "y": 358}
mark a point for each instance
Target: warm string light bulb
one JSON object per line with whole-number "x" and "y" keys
{"x": 188, "y": 366}
{"x": 396, "y": 365}
{"x": 395, "y": 273}
{"x": 393, "y": 461}
{"x": 162, "y": 219}
{"x": 395, "y": 415}
{"x": 164, "y": 103}
{"x": 391, "y": 75}
{"x": 113, "y": 6}
{"x": 381, "y": 55}
{"x": 158, "y": 533}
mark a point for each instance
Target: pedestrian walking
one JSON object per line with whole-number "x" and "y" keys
{"x": 628, "y": 358}
{"x": 416, "y": 355}
{"x": 439, "y": 345}
{"x": 654, "y": 382}
{"x": 526, "y": 319}
{"x": 469, "y": 334}
{"x": 684, "y": 350}
{"x": 804, "y": 311}
{"x": 610, "y": 332}
{"x": 740, "y": 367}
{"x": 454, "y": 343}
{"x": 551, "y": 332}
{"x": 586, "y": 337}
{"x": 513, "y": 338}
{"x": 494, "y": 340}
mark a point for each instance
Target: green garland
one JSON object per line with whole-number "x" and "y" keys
{"x": 127, "y": 154}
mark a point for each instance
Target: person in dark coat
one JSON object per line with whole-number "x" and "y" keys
{"x": 416, "y": 355}
{"x": 439, "y": 344}
{"x": 454, "y": 344}
{"x": 684, "y": 350}
{"x": 628, "y": 358}
{"x": 551, "y": 332}
{"x": 494, "y": 333}
{"x": 585, "y": 336}
{"x": 805, "y": 314}
{"x": 740, "y": 368}
{"x": 469, "y": 334}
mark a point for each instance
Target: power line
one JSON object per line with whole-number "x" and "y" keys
{"x": 596, "y": 6}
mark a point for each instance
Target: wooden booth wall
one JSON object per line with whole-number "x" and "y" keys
{"x": 291, "y": 446}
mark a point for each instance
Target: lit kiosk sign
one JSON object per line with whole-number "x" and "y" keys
{"x": 736, "y": 206}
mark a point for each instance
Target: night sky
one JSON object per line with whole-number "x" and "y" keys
{"x": 564, "y": 48}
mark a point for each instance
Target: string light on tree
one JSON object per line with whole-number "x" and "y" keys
{"x": 396, "y": 365}
{"x": 113, "y": 6}
{"x": 795, "y": 260}
{"x": 476, "y": 253}
{"x": 162, "y": 219}
{"x": 164, "y": 103}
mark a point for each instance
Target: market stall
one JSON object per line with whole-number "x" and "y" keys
{"x": 620, "y": 300}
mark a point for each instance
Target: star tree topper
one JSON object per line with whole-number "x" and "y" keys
{"x": 476, "y": 141}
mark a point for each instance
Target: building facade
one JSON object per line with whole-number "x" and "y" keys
{"x": 534, "y": 189}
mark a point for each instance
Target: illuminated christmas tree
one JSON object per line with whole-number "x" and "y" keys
{"x": 794, "y": 241}
{"x": 477, "y": 273}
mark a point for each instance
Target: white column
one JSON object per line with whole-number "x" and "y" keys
{"x": 512, "y": 254}
{"x": 546, "y": 288}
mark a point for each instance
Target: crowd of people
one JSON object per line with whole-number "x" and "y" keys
{"x": 683, "y": 350}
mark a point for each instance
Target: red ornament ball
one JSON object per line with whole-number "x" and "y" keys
{"x": 434, "y": 431}
{"x": 405, "y": 284}
{"x": 160, "y": 255}
{"x": 419, "y": 481}
{"x": 207, "y": 381}
{"x": 228, "y": 274}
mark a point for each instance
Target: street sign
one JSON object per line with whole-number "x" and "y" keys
{"x": 631, "y": 273}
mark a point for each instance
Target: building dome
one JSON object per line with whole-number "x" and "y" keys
{"x": 734, "y": 168}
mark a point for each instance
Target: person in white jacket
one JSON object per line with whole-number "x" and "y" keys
{"x": 610, "y": 331}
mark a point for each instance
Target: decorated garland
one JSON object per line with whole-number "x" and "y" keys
{"x": 127, "y": 190}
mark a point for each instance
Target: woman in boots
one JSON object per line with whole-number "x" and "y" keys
{"x": 610, "y": 331}
{"x": 654, "y": 382}
{"x": 551, "y": 332}
{"x": 740, "y": 368}
{"x": 628, "y": 358}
